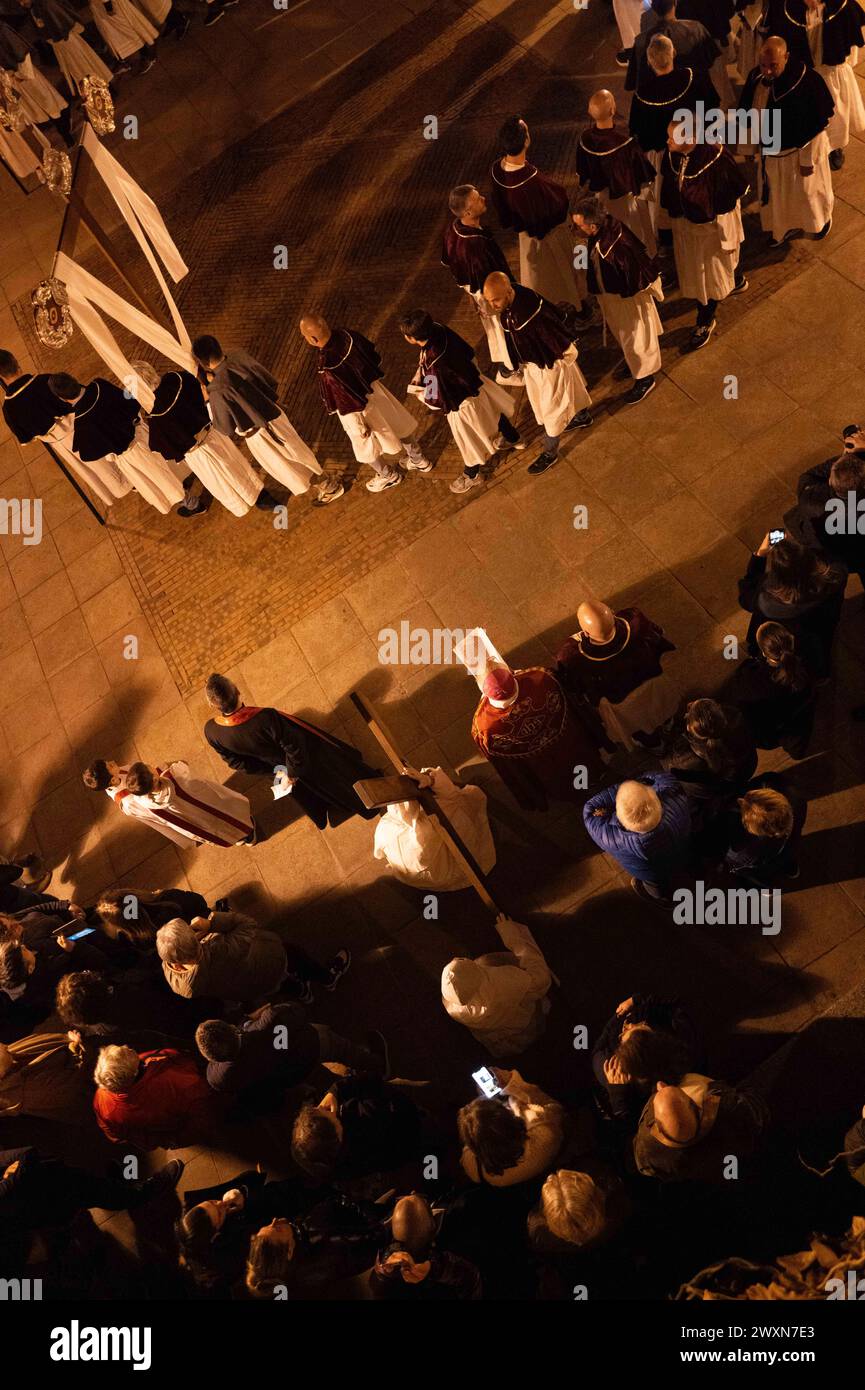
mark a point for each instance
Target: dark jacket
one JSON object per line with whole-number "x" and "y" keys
{"x": 662, "y": 1016}
{"x": 709, "y": 787}
{"x": 739, "y": 1129}
{"x": 813, "y": 492}
{"x": 653, "y": 856}
{"x": 758, "y": 858}
{"x": 381, "y": 1125}
{"x": 268, "y": 1064}
{"x": 776, "y": 714}
{"x": 812, "y": 621}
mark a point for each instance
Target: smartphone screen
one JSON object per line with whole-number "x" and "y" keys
{"x": 776, "y": 536}
{"x": 487, "y": 1083}
{"x": 73, "y": 931}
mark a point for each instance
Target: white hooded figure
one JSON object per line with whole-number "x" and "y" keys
{"x": 412, "y": 847}
{"x": 501, "y": 997}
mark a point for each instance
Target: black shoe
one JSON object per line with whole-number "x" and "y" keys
{"x": 164, "y": 1181}
{"x": 215, "y": 16}
{"x": 701, "y": 335}
{"x": 836, "y": 159}
{"x": 584, "y": 318}
{"x": 222, "y": 905}
{"x": 147, "y": 63}
{"x": 640, "y": 390}
{"x": 623, "y": 57}
{"x": 252, "y": 837}
{"x": 741, "y": 285}
{"x": 824, "y": 232}
{"x": 542, "y": 463}
{"x": 581, "y": 421}
{"x": 265, "y": 501}
{"x": 185, "y": 511}
{"x": 377, "y": 1043}
{"x": 338, "y": 967}
{"x": 182, "y": 28}
{"x": 642, "y": 892}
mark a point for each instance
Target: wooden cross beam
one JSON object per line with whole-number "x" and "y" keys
{"x": 384, "y": 791}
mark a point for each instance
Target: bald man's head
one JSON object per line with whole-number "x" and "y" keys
{"x": 773, "y": 58}
{"x": 315, "y": 329}
{"x": 597, "y": 621}
{"x": 602, "y": 105}
{"x": 677, "y": 1117}
{"x": 413, "y": 1224}
{"x": 498, "y": 291}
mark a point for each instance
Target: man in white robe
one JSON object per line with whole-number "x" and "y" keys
{"x": 125, "y": 30}
{"x": 541, "y": 343}
{"x": 244, "y": 403}
{"x": 349, "y": 382}
{"x": 628, "y": 14}
{"x": 180, "y": 806}
{"x": 478, "y": 410}
{"x": 627, "y": 282}
{"x": 795, "y": 178}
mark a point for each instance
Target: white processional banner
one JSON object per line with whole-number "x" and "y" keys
{"x": 87, "y": 294}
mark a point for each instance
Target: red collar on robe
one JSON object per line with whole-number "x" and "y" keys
{"x": 246, "y": 712}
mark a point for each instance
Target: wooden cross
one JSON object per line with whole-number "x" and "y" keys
{"x": 384, "y": 791}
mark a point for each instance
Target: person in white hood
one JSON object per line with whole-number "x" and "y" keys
{"x": 501, "y": 997}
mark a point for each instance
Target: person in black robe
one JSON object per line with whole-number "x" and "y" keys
{"x": 320, "y": 769}
{"x": 611, "y": 164}
{"x": 693, "y": 43}
{"x": 612, "y": 667}
{"x": 827, "y": 46}
{"x": 660, "y": 93}
{"x": 795, "y": 180}
{"x": 351, "y": 388}
{"x": 180, "y": 429}
{"x": 108, "y": 425}
{"x": 30, "y": 407}
{"x": 627, "y": 281}
{"x": 244, "y": 404}
{"x": 541, "y": 341}
{"x": 536, "y": 207}
{"x": 105, "y": 415}
{"x": 702, "y": 187}
{"x": 471, "y": 253}
{"x": 478, "y": 411}
{"x": 775, "y": 692}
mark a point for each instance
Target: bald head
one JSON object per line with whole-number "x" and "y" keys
{"x": 597, "y": 621}
{"x": 498, "y": 291}
{"x": 413, "y": 1224}
{"x": 602, "y": 105}
{"x": 315, "y": 329}
{"x": 773, "y": 58}
{"x": 677, "y": 1116}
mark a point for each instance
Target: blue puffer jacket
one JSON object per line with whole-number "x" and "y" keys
{"x": 652, "y": 856}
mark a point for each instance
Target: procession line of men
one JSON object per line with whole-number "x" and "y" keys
{"x": 645, "y": 190}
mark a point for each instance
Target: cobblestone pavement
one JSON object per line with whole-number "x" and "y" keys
{"x": 332, "y": 163}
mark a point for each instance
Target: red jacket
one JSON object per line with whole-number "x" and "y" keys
{"x": 168, "y": 1101}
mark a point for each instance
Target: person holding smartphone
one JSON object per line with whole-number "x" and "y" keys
{"x": 512, "y": 1138}
{"x": 29, "y": 972}
{"x": 799, "y": 587}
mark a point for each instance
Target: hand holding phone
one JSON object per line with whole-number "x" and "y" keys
{"x": 487, "y": 1083}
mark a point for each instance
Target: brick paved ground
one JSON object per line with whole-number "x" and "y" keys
{"x": 677, "y": 492}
